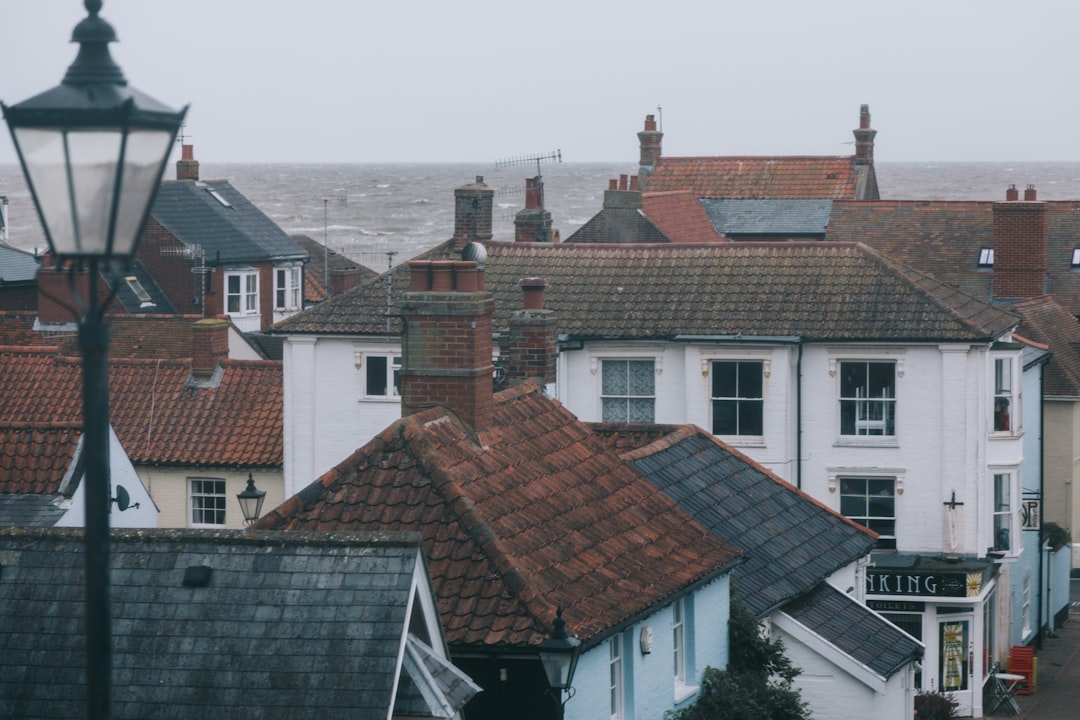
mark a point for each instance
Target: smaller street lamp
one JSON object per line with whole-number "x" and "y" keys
{"x": 251, "y": 501}
{"x": 559, "y": 656}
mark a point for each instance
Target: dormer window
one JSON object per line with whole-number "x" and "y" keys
{"x": 137, "y": 288}
{"x": 986, "y": 257}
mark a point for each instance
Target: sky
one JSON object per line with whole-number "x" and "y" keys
{"x": 362, "y": 81}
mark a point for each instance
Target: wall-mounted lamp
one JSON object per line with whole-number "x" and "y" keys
{"x": 251, "y": 501}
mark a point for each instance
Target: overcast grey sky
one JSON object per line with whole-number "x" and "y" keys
{"x": 434, "y": 80}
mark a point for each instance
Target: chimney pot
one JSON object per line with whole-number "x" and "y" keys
{"x": 1011, "y": 194}
{"x": 634, "y": 183}
{"x": 533, "y": 292}
{"x": 622, "y": 182}
{"x": 442, "y": 275}
{"x": 419, "y": 275}
{"x": 613, "y": 184}
{"x": 466, "y": 276}
{"x": 1029, "y": 194}
{"x": 650, "y": 123}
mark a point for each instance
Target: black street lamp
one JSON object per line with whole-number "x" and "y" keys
{"x": 251, "y": 501}
{"x": 559, "y": 655}
{"x": 93, "y": 150}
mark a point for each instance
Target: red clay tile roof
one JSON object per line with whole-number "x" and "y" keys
{"x": 533, "y": 515}
{"x": 1045, "y": 321}
{"x": 35, "y": 456}
{"x": 133, "y": 336}
{"x": 816, "y": 290}
{"x": 680, "y": 217}
{"x": 157, "y": 416}
{"x": 828, "y": 177}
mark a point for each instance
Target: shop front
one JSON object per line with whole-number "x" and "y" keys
{"x": 949, "y": 605}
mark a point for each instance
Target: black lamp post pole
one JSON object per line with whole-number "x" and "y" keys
{"x": 94, "y": 344}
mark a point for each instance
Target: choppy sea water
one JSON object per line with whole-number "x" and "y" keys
{"x": 369, "y": 210}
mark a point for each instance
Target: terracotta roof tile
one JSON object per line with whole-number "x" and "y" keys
{"x": 829, "y": 177}
{"x": 680, "y": 216}
{"x": 545, "y": 515}
{"x": 816, "y": 290}
{"x": 132, "y": 336}
{"x": 1045, "y": 321}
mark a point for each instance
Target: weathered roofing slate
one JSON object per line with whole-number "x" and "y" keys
{"x": 797, "y": 218}
{"x": 29, "y": 510}
{"x": 829, "y": 177}
{"x": 816, "y": 290}
{"x": 855, "y": 629}
{"x": 291, "y": 625}
{"x": 236, "y": 233}
{"x": 1045, "y": 321}
{"x": 618, "y": 225}
{"x": 791, "y": 541}
{"x": 517, "y": 521}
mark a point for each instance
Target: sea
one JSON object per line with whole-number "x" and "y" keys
{"x": 379, "y": 214}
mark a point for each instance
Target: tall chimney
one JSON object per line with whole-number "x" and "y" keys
{"x": 1021, "y": 237}
{"x": 210, "y": 345}
{"x": 446, "y": 341}
{"x": 649, "y": 141}
{"x": 472, "y": 213}
{"x": 187, "y": 167}
{"x": 623, "y": 193}
{"x": 532, "y": 346}
{"x": 533, "y": 224}
{"x": 864, "y": 138}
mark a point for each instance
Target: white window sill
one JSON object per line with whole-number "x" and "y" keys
{"x": 1006, "y": 435}
{"x": 380, "y": 398}
{"x": 684, "y": 692}
{"x": 742, "y": 440}
{"x": 863, "y": 441}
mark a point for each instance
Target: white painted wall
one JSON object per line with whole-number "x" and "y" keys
{"x": 169, "y": 487}
{"x": 122, "y": 472}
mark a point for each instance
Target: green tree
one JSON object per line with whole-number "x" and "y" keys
{"x": 757, "y": 684}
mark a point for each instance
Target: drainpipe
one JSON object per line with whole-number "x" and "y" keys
{"x": 798, "y": 418}
{"x": 1042, "y": 474}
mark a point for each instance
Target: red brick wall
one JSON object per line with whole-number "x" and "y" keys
{"x": 446, "y": 345}
{"x": 1021, "y": 240}
{"x": 172, "y": 272}
{"x": 532, "y": 346}
{"x": 210, "y": 345}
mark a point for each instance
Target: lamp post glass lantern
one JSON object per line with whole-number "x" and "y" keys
{"x": 559, "y": 656}
{"x": 251, "y": 501}
{"x": 93, "y": 150}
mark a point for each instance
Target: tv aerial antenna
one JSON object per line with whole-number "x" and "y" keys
{"x": 555, "y": 156}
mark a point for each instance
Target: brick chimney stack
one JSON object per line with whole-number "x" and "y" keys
{"x": 446, "y": 341}
{"x": 210, "y": 345}
{"x": 533, "y": 224}
{"x": 649, "y": 141}
{"x": 864, "y": 138}
{"x": 187, "y": 167}
{"x": 55, "y": 303}
{"x": 532, "y": 348}
{"x": 623, "y": 193}
{"x": 1021, "y": 238}
{"x": 472, "y": 213}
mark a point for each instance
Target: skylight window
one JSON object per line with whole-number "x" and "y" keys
{"x": 1076, "y": 258}
{"x": 139, "y": 290}
{"x": 986, "y": 257}
{"x": 217, "y": 196}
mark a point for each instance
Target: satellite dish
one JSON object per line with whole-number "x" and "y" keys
{"x": 123, "y": 499}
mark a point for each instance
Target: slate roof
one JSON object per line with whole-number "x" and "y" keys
{"x": 159, "y": 302}
{"x": 618, "y": 225}
{"x": 158, "y": 416}
{"x": 944, "y": 239}
{"x": 855, "y": 629}
{"x": 517, "y": 521}
{"x": 315, "y": 268}
{"x": 30, "y": 510}
{"x": 237, "y": 233}
{"x": 680, "y": 216}
{"x": 291, "y": 625}
{"x": 827, "y": 177}
{"x": 792, "y": 218}
{"x": 816, "y": 290}
{"x": 1045, "y": 321}
{"x": 791, "y": 541}
{"x": 17, "y": 267}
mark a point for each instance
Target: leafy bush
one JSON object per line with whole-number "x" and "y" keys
{"x": 935, "y": 705}
{"x": 756, "y": 684}
{"x": 1056, "y": 535}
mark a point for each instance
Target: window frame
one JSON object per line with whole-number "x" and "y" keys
{"x": 203, "y": 494}
{"x": 739, "y": 399}
{"x": 392, "y": 380}
{"x": 678, "y": 632}
{"x": 887, "y": 419}
{"x": 986, "y": 257}
{"x": 1006, "y": 404}
{"x": 848, "y": 481}
{"x": 1005, "y": 515}
{"x": 617, "y": 682}
{"x": 287, "y": 294}
{"x": 246, "y": 294}
{"x": 627, "y": 397}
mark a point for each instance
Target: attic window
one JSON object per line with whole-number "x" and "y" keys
{"x": 1076, "y": 258}
{"x": 139, "y": 290}
{"x": 217, "y": 196}
{"x": 986, "y": 257}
